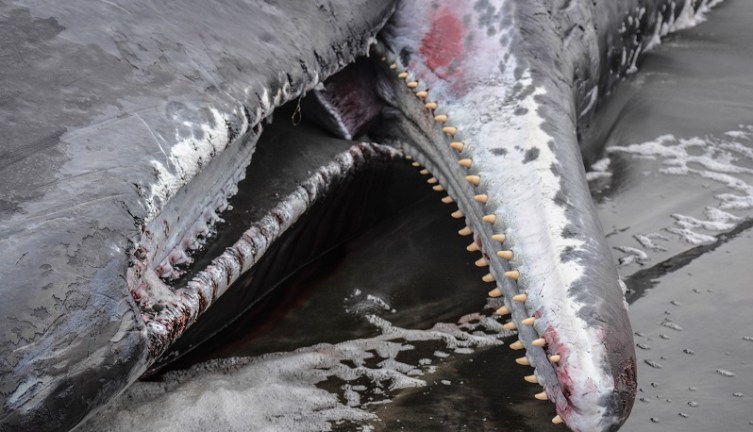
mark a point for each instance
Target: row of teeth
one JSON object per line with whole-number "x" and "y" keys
{"x": 475, "y": 180}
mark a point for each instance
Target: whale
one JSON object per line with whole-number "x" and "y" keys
{"x": 144, "y": 205}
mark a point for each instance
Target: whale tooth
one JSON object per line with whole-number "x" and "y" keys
{"x": 415, "y": 164}
{"x": 438, "y": 188}
{"x": 408, "y": 157}
{"x": 499, "y": 237}
{"x": 540, "y": 342}
{"x": 505, "y": 254}
{"x": 473, "y": 179}
{"x": 441, "y": 118}
{"x": 481, "y": 198}
{"x": 432, "y": 180}
{"x": 531, "y": 379}
{"x": 450, "y": 130}
{"x": 516, "y": 345}
{"x": 424, "y": 172}
{"x": 520, "y": 298}
{"x": 502, "y": 311}
{"x": 512, "y": 274}
{"x": 448, "y": 200}
{"x": 402, "y": 75}
{"x": 541, "y": 396}
{"x": 457, "y": 214}
{"x": 412, "y": 84}
{"x": 473, "y": 247}
{"x": 487, "y": 277}
{"x": 557, "y": 419}
{"x": 481, "y": 262}
{"x": 393, "y": 66}
{"x": 496, "y": 292}
{"x": 529, "y": 321}
{"x": 457, "y": 146}
{"x": 430, "y": 105}
{"x": 491, "y": 219}
{"x": 510, "y": 326}
{"x": 422, "y": 94}
{"x": 465, "y": 163}
{"x": 522, "y": 361}
{"x": 465, "y": 231}
{"x": 555, "y": 358}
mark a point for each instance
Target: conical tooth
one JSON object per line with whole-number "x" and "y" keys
{"x": 424, "y": 172}
{"x": 409, "y": 157}
{"x": 516, "y": 345}
{"x": 522, "y": 361}
{"x": 393, "y": 66}
{"x": 555, "y": 358}
{"x": 457, "y": 214}
{"x": 541, "y": 396}
{"x": 531, "y": 379}
{"x": 473, "y": 179}
{"x": 481, "y": 198}
{"x": 520, "y": 298}
{"x": 557, "y": 419}
{"x": 512, "y": 274}
{"x": 502, "y": 311}
{"x": 450, "y": 130}
{"x": 441, "y": 118}
{"x": 465, "y": 163}
{"x": 422, "y": 94}
{"x": 540, "y": 342}
{"x": 510, "y": 326}
{"x": 465, "y": 231}
{"x": 496, "y": 292}
{"x": 412, "y": 84}
{"x": 448, "y": 200}
{"x": 415, "y": 164}
{"x": 481, "y": 262}
{"x": 499, "y": 237}
{"x": 529, "y": 321}
{"x": 430, "y": 105}
{"x": 505, "y": 254}
{"x": 473, "y": 247}
{"x": 457, "y": 146}
{"x": 487, "y": 277}
{"x": 438, "y": 188}
{"x": 432, "y": 180}
{"x": 491, "y": 219}
{"x": 402, "y": 75}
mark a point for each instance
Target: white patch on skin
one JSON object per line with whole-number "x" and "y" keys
{"x": 186, "y": 159}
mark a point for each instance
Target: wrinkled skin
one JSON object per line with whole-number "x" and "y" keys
{"x": 127, "y": 127}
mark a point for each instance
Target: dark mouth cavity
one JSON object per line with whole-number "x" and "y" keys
{"x": 293, "y": 146}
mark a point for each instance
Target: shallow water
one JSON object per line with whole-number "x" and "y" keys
{"x": 410, "y": 347}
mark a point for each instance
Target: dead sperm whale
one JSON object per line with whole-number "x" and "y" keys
{"x": 128, "y": 126}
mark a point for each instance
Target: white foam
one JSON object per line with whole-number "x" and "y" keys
{"x": 726, "y": 160}
{"x": 281, "y": 391}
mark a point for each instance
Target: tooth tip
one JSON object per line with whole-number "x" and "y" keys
{"x": 498, "y": 237}
{"x": 438, "y": 188}
{"x": 531, "y": 379}
{"x": 516, "y": 345}
{"x": 496, "y": 292}
{"x": 482, "y": 199}
{"x": 465, "y": 231}
{"x": 522, "y": 361}
{"x": 487, "y": 278}
{"x": 541, "y": 396}
{"x": 540, "y": 342}
{"x": 555, "y": 358}
{"x": 557, "y": 419}
{"x": 440, "y": 118}
{"x": 490, "y": 219}
{"x": 520, "y": 298}
{"x": 473, "y": 179}
{"x": 512, "y": 274}
{"x": 447, "y": 200}
{"x": 529, "y": 321}
{"x": 412, "y": 84}
{"x": 502, "y": 311}
{"x": 457, "y": 146}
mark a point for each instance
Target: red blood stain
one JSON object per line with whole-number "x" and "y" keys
{"x": 563, "y": 376}
{"x": 443, "y": 43}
